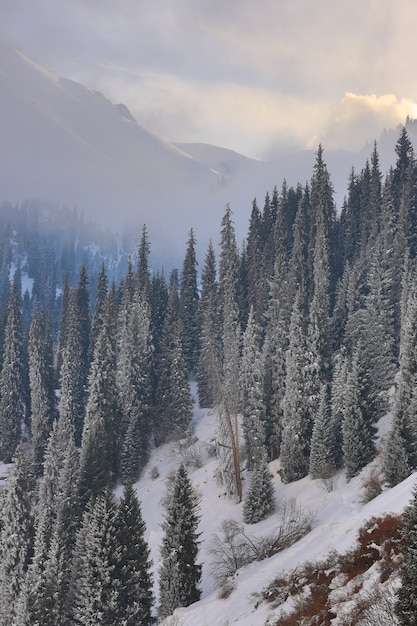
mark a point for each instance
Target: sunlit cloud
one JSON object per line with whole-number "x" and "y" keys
{"x": 360, "y": 118}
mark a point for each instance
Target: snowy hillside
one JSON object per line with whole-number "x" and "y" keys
{"x": 68, "y": 144}
{"x": 337, "y": 509}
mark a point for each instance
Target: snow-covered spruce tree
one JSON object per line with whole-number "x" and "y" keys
{"x": 378, "y": 327}
{"x": 94, "y": 586}
{"x": 189, "y": 305}
{"x": 318, "y": 330}
{"x": 134, "y": 362}
{"x": 63, "y": 324}
{"x": 208, "y": 367}
{"x": 228, "y": 429}
{"x": 57, "y": 518}
{"x": 41, "y": 379}
{"x": 338, "y": 403}
{"x": 179, "y": 574}
{"x": 297, "y": 417}
{"x": 252, "y": 390}
{"x": 132, "y": 572}
{"x": 83, "y": 311}
{"x": 358, "y": 428}
{"x": 259, "y": 502}
{"x": 404, "y": 427}
{"x": 322, "y": 464}
{"x": 72, "y": 400}
{"x": 396, "y": 452}
{"x": 173, "y": 399}
{"x": 16, "y": 537}
{"x": 142, "y": 278}
{"x": 406, "y": 607}
{"x": 12, "y": 392}
{"x": 254, "y": 263}
{"x": 98, "y": 461}
{"x": 274, "y": 355}
{"x": 100, "y": 311}
{"x": 57, "y": 568}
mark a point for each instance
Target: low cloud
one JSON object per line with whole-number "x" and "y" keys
{"x": 361, "y": 118}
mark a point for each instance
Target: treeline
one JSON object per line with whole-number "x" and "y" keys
{"x": 297, "y": 338}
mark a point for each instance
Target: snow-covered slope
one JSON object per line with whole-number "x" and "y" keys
{"x": 339, "y": 513}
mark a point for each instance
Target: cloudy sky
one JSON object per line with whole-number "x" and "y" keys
{"x": 252, "y": 76}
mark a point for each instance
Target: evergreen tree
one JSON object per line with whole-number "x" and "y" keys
{"x": 357, "y": 428}
{"x": 12, "y": 390}
{"x": 208, "y": 370}
{"x": 378, "y": 329}
{"x": 189, "y": 309}
{"x": 322, "y": 463}
{"x": 254, "y": 263}
{"x": 297, "y": 416}
{"x": 132, "y": 572}
{"x": 16, "y": 537}
{"x": 179, "y": 574}
{"x": 41, "y": 379}
{"x": 83, "y": 311}
{"x": 94, "y": 581}
{"x": 251, "y": 384}
{"x": 142, "y": 279}
{"x": 173, "y": 404}
{"x": 275, "y": 349}
{"x": 399, "y": 452}
{"x": 231, "y": 338}
{"x": 406, "y": 607}
{"x": 72, "y": 400}
{"x": 134, "y": 385}
{"x": 63, "y": 327}
{"x": 100, "y": 311}
{"x": 55, "y": 598}
{"x": 259, "y": 502}
{"x": 98, "y": 462}
{"x": 338, "y": 404}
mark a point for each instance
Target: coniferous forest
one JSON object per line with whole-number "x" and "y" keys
{"x": 302, "y": 338}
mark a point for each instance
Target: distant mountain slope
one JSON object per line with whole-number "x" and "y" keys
{"x": 65, "y": 143}
{"x": 69, "y": 144}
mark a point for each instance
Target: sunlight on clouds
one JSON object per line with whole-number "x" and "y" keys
{"x": 361, "y": 118}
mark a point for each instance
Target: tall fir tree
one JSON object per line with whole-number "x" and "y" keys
{"x": 297, "y": 417}
{"x": 180, "y": 574}
{"x": 83, "y": 310}
{"x": 275, "y": 349}
{"x": 322, "y": 463}
{"x": 16, "y": 537}
{"x": 133, "y": 565}
{"x": 252, "y": 395}
{"x": 100, "y": 311}
{"x": 41, "y": 379}
{"x": 94, "y": 582}
{"x": 231, "y": 339}
{"x": 72, "y": 399}
{"x": 57, "y": 511}
{"x": 189, "y": 305}
{"x": 12, "y": 388}
{"x": 173, "y": 403}
{"x": 134, "y": 384}
{"x": 358, "y": 425}
{"x": 208, "y": 369}
{"x": 98, "y": 461}
{"x": 142, "y": 278}
{"x": 259, "y": 501}
{"x": 56, "y": 590}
